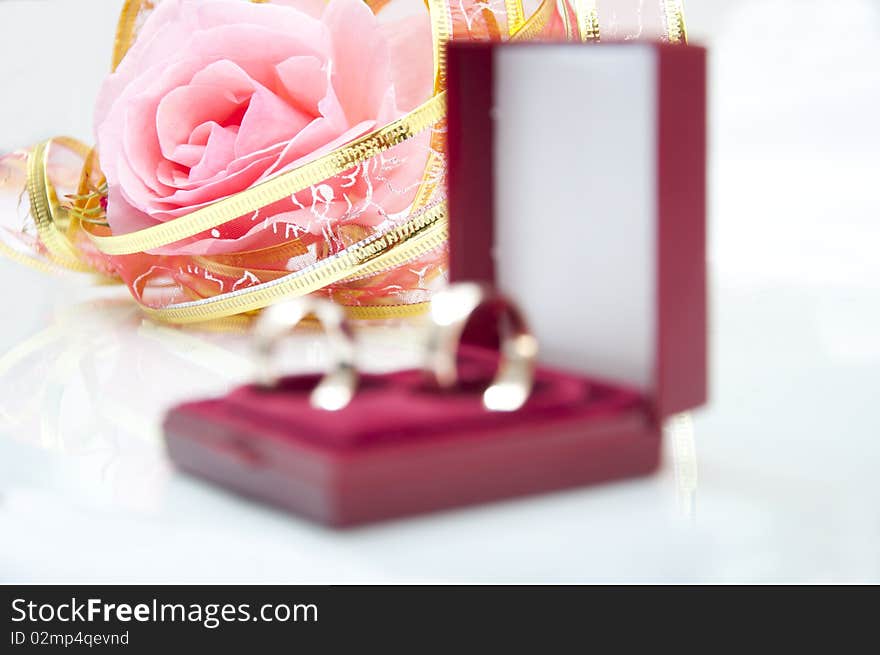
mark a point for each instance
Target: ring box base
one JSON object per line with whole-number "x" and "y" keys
{"x": 344, "y": 468}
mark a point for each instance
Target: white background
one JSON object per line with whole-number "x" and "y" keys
{"x": 783, "y": 485}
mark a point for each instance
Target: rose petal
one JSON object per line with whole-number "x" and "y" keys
{"x": 313, "y": 8}
{"x": 183, "y": 109}
{"x": 303, "y": 82}
{"x": 216, "y": 154}
{"x": 361, "y": 60}
{"x": 268, "y": 120}
{"x": 412, "y": 60}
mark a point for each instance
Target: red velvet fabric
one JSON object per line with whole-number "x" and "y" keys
{"x": 404, "y": 406}
{"x": 402, "y": 447}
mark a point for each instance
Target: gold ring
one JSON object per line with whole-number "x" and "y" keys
{"x": 451, "y": 310}
{"x": 337, "y": 387}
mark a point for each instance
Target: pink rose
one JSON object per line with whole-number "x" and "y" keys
{"x": 218, "y": 95}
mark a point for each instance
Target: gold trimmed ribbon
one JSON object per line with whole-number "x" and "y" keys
{"x": 676, "y": 29}
{"x": 37, "y": 264}
{"x": 126, "y": 27}
{"x": 515, "y": 15}
{"x": 50, "y": 218}
{"x": 536, "y": 23}
{"x": 441, "y": 33}
{"x": 396, "y": 247}
{"x": 588, "y": 20}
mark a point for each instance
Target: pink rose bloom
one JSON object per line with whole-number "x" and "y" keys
{"x": 218, "y": 95}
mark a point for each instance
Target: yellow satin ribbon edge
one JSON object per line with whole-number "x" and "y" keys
{"x": 242, "y": 322}
{"x": 588, "y": 20}
{"x": 536, "y": 22}
{"x": 385, "y": 312}
{"x": 515, "y": 15}
{"x": 441, "y": 33}
{"x": 676, "y": 26}
{"x": 35, "y": 263}
{"x": 45, "y": 208}
{"x": 125, "y": 29}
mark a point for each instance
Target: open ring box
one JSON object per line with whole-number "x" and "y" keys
{"x": 577, "y": 185}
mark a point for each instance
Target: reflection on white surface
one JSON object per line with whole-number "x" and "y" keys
{"x": 679, "y": 433}
{"x": 100, "y": 364}
{"x": 787, "y": 485}
{"x": 83, "y": 465}
{"x": 787, "y": 451}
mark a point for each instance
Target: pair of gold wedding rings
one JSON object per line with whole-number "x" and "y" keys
{"x": 451, "y": 311}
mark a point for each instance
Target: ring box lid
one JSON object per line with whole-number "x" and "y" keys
{"x": 582, "y": 170}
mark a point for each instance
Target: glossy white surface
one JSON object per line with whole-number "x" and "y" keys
{"x": 778, "y": 483}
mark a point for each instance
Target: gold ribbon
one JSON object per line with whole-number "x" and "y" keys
{"x": 588, "y": 20}
{"x": 31, "y": 261}
{"x": 125, "y": 30}
{"x": 378, "y": 253}
{"x": 50, "y": 218}
{"x": 441, "y": 32}
{"x": 536, "y": 23}
{"x": 515, "y": 15}
{"x": 676, "y": 29}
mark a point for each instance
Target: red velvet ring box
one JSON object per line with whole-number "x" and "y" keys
{"x": 577, "y": 185}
